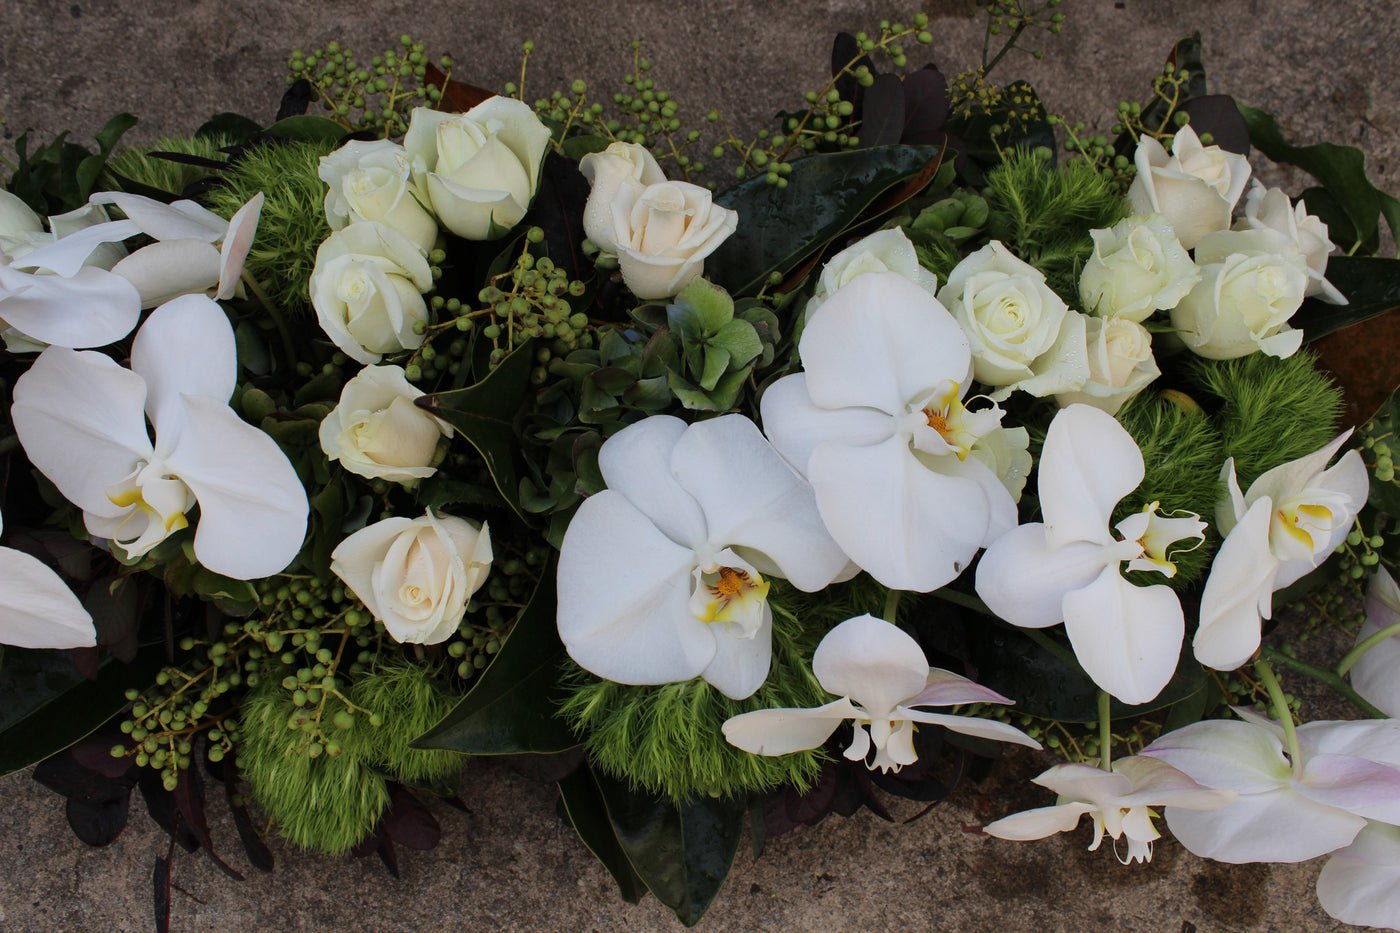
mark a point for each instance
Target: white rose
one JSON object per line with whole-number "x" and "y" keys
{"x": 376, "y": 431}
{"x": 374, "y": 181}
{"x": 662, "y": 233}
{"x": 1022, "y": 335}
{"x": 882, "y": 251}
{"x": 607, "y": 171}
{"x": 1270, "y": 209}
{"x": 367, "y": 289}
{"x": 1138, "y": 266}
{"x": 1251, "y": 284}
{"x": 416, "y": 574}
{"x": 1196, "y": 187}
{"x": 1120, "y": 364}
{"x": 480, "y": 168}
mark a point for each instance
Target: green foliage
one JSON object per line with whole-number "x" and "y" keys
{"x": 666, "y": 739}
{"x": 140, "y": 165}
{"x": 1044, "y": 214}
{"x": 1271, "y": 410}
{"x": 326, "y": 803}
{"x": 409, "y": 701}
{"x": 293, "y": 223}
{"x": 59, "y": 177}
{"x": 1182, "y": 451}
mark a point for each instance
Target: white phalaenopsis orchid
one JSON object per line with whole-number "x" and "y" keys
{"x": 1069, "y": 568}
{"x": 1291, "y": 518}
{"x": 196, "y": 251}
{"x": 877, "y": 424}
{"x": 82, "y": 421}
{"x": 661, "y": 575}
{"x": 881, "y": 675}
{"x": 1376, "y": 674}
{"x": 1340, "y": 775}
{"x": 1118, "y": 800}
{"x": 37, "y": 609}
{"x": 1361, "y": 883}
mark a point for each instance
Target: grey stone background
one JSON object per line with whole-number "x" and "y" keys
{"x": 1327, "y": 70}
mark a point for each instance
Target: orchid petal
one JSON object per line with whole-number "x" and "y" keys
{"x": 796, "y": 427}
{"x": 944, "y": 688}
{"x": 741, "y": 664}
{"x": 1277, "y": 826}
{"x": 79, "y": 417}
{"x": 1039, "y": 823}
{"x": 1223, "y": 753}
{"x": 37, "y": 610}
{"x": 1156, "y": 783}
{"x": 638, "y": 463}
{"x": 1360, "y": 884}
{"x": 1287, "y": 478}
{"x": 1365, "y": 788}
{"x": 1348, "y": 477}
{"x": 1376, "y": 674}
{"x": 1373, "y": 739}
{"x": 752, "y": 499}
{"x": 242, "y": 228}
{"x": 179, "y": 220}
{"x": 1024, "y": 580}
{"x": 89, "y": 309}
{"x": 66, "y": 255}
{"x": 1089, "y": 462}
{"x": 1127, "y": 637}
{"x": 186, "y": 347}
{"x": 782, "y": 731}
{"x": 908, "y": 526}
{"x": 877, "y": 341}
{"x": 1238, "y": 593}
{"x": 252, "y": 505}
{"x": 971, "y": 725}
{"x": 165, "y": 270}
{"x": 624, "y": 610}
{"x": 874, "y": 663}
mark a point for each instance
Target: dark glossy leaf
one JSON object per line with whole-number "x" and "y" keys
{"x": 882, "y": 120}
{"x": 1342, "y": 171}
{"x": 457, "y": 96}
{"x": 44, "y": 712}
{"x": 67, "y": 776}
{"x": 846, "y": 57}
{"x": 90, "y": 169}
{"x": 408, "y": 823}
{"x": 485, "y": 413}
{"x": 779, "y": 228}
{"x": 511, "y": 707}
{"x": 160, "y": 883}
{"x": 682, "y": 853}
{"x": 308, "y": 128}
{"x": 558, "y": 211}
{"x": 189, "y": 804}
{"x": 231, "y": 126}
{"x": 98, "y": 824}
{"x": 115, "y": 606}
{"x": 259, "y": 855}
{"x": 585, "y": 809}
{"x": 160, "y": 804}
{"x": 1219, "y": 115}
{"x": 296, "y": 101}
{"x": 925, "y": 107}
{"x": 1371, "y": 285}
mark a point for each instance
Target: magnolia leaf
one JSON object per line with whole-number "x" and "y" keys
{"x": 484, "y": 415}
{"x": 44, "y": 707}
{"x": 232, "y": 126}
{"x": 826, "y": 194}
{"x": 588, "y": 813}
{"x": 308, "y": 128}
{"x": 510, "y": 708}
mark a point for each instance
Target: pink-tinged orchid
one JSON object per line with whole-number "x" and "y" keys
{"x": 82, "y": 420}
{"x": 1118, "y": 800}
{"x": 1361, "y": 883}
{"x": 661, "y": 575}
{"x": 1342, "y": 774}
{"x": 1291, "y": 518}
{"x": 1069, "y": 568}
{"x": 881, "y": 675}
{"x": 1376, "y": 674}
{"x": 877, "y": 424}
{"x": 37, "y": 609}
{"x": 196, "y": 251}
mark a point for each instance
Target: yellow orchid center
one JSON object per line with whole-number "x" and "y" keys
{"x": 157, "y": 503}
{"x": 947, "y": 415}
{"x": 733, "y": 597}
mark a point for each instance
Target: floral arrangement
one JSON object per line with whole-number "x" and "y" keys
{"x": 444, "y": 424}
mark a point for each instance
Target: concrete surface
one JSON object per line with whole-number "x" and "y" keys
{"x": 1327, "y": 70}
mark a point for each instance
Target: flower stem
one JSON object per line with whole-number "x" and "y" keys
{"x": 1105, "y": 732}
{"x": 1329, "y": 678}
{"x": 289, "y": 350}
{"x": 1281, "y": 710}
{"x": 965, "y": 600}
{"x": 892, "y": 605}
{"x": 1050, "y": 645}
{"x": 1354, "y": 655}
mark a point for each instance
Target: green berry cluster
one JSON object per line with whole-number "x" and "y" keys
{"x": 378, "y": 96}
{"x": 1168, "y": 87}
{"x": 1074, "y": 741}
{"x": 1012, "y": 18}
{"x": 492, "y": 613}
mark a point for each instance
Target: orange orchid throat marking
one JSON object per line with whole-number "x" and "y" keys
{"x": 731, "y": 584}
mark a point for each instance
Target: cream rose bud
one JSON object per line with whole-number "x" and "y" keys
{"x": 367, "y": 288}
{"x": 607, "y": 171}
{"x": 374, "y": 181}
{"x": 882, "y": 251}
{"x": 1138, "y": 267}
{"x": 663, "y": 233}
{"x": 1022, "y": 335}
{"x": 377, "y": 431}
{"x": 1251, "y": 284}
{"x": 1120, "y": 364}
{"x": 416, "y": 574}
{"x": 1195, "y": 188}
{"x": 1270, "y": 209}
{"x": 480, "y": 168}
